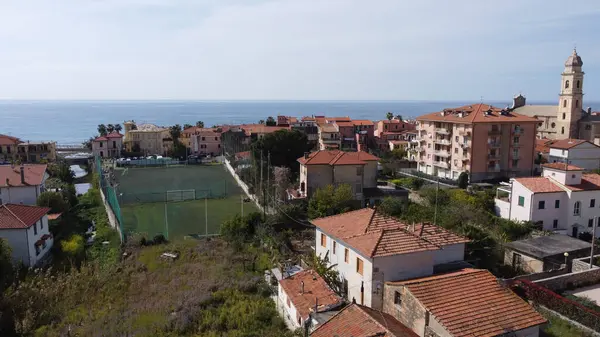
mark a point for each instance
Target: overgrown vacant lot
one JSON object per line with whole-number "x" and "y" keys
{"x": 210, "y": 290}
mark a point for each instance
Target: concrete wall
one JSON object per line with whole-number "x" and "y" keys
{"x": 550, "y": 212}
{"x": 112, "y": 219}
{"x": 575, "y": 280}
{"x": 108, "y": 148}
{"x": 584, "y": 155}
{"x": 22, "y": 242}
{"x": 502, "y": 208}
{"x": 528, "y": 263}
{"x": 348, "y": 174}
{"x": 370, "y": 174}
{"x": 316, "y": 176}
{"x": 17, "y": 240}
{"x": 521, "y": 213}
{"x": 206, "y": 143}
{"x": 26, "y": 195}
{"x": 449, "y": 253}
{"x": 290, "y": 311}
{"x": 410, "y": 313}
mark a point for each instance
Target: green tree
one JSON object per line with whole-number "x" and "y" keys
{"x": 463, "y": 180}
{"x": 330, "y": 200}
{"x": 399, "y": 117}
{"x": 271, "y": 121}
{"x": 398, "y": 154}
{"x": 110, "y": 128}
{"x": 327, "y": 271}
{"x": 102, "y": 129}
{"x": 389, "y": 116}
{"x": 54, "y": 200}
{"x": 62, "y": 171}
{"x": 200, "y": 124}
{"x": 88, "y": 143}
{"x": 262, "y": 121}
{"x": 284, "y": 146}
{"x": 392, "y": 206}
{"x": 6, "y": 266}
{"x": 118, "y": 127}
{"x": 187, "y": 126}
{"x": 70, "y": 194}
{"x": 240, "y": 229}
{"x": 175, "y": 132}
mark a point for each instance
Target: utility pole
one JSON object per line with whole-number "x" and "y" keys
{"x": 206, "y": 213}
{"x": 268, "y": 175}
{"x": 437, "y": 189}
{"x": 262, "y": 189}
{"x": 593, "y": 243}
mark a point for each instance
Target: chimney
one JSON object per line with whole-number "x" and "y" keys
{"x": 22, "y": 175}
{"x": 306, "y": 154}
{"x": 302, "y": 287}
{"x": 316, "y": 304}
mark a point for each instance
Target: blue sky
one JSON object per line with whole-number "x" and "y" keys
{"x": 294, "y": 49}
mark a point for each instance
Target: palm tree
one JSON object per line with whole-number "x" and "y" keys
{"x": 200, "y": 124}
{"x": 399, "y": 117}
{"x": 389, "y": 116}
{"x": 118, "y": 127}
{"x": 102, "y": 129}
{"x": 110, "y": 128}
{"x": 262, "y": 121}
{"x": 270, "y": 121}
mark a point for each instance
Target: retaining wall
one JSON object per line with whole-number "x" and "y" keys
{"x": 112, "y": 219}
{"x": 572, "y": 280}
{"x": 244, "y": 187}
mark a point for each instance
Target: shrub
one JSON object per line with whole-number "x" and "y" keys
{"x": 463, "y": 180}
{"x": 73, "y": 246}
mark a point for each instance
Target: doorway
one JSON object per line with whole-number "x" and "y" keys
{"x": 574, "y": 233}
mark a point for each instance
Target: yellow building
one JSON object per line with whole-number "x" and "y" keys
{"x": 147, "y": 138}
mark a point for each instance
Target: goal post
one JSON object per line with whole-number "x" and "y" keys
{"x": 180, "y": 195}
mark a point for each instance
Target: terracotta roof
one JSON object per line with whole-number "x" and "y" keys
{"x": 360, "y": 321}
{"x": 543, "y": 145}
{"x": 100, "y": 139}
{"x": 562, "y": 167}
{"x": 328, "y": 127}
{"x": 34, "y": 175}
{"x": 471, "y": 302}
{"x": 314, "y": 288}
{"x": 589, "y": 182}
{"x": 338, "y": 119}
{"x": 344, "y": 123}
{"x": 20, "y": 216}
{"x": 374, "y": 234}
{"x": 54, "y": 216}
{"x": 475, "y": 113}
{"x": 394, "y": 141}
{"x": 362, "y": 122}
{"x": 260, "y": 128}
{"x": 9, "y": 140}
{"x": 337, "y": 157}
{"x": 566, "y": 144}
{"x": 539, "y": 185}
{"x": 114, "y": 134}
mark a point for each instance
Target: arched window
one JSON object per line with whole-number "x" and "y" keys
{"x": 562, "y": 130}
{"x": 577, "y": 208}
{"x": 577, "y": 103}
{"x": 564, "y": 115}
{"x": 565, "y": 103}
{"x": 578, "y": 84}
{"x": 567, "y": 84}
{"x": 553, "y": 125}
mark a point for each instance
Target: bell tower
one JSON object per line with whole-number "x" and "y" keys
{"x": 571, "y": 98}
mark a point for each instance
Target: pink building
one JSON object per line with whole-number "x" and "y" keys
{"x": 206, "y": 141}
{"x": 108, "y": 146}
{"x": 482, "y": 140}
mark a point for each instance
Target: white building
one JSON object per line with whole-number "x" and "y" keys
{"x": 22, "y": 184}
{"x": 576, "y": 152}
{"x": 108, "y": 146}
{"x": 305, "y": 295}
{"x": 563, "y": 199}
{"x": 26, "y": 230}
{"x": 368, "y": 249}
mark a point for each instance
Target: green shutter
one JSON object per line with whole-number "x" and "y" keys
{"x": 521, "y": 201}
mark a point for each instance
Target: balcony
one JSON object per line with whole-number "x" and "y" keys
{"x": 444, "y": 142}
{"x": 494, "y": 143}
{"x": 515, "y": 145}
{"x": 493, "y": 156}
{"x": 517, "y": 132}
{"x": 444, "y": 154}
{"x": 442, "y": 131}
{"x": 495, "y": 132}
{"x": 465, "y": 145}
{"x": 493, "y": 169}
{"x": 464, "y": 133}
{"x": 441, "y": 164}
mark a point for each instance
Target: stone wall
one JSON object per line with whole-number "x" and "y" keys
{"x": 112, "y": 219}
{"x": 572, "y": 280}
{"x": 582, "y": 264}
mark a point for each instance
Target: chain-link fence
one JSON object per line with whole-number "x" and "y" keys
{"x": 110, "y": 195}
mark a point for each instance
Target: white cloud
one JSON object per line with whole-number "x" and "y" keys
{"x": 289, "y": 49}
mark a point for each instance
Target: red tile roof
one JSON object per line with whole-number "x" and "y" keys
{"x": 345, "y": 123}
{"x": 565, "y": 144}
{"x": 362, "y": 122}
{"x": 543, "y": 145}
{"x": 20, "y": 216}
{"x": 562, "y": 167}
{"x": 9, "y": 140}
{"x": 337, "y": 157}
{"x": 476, "y": 113}
{"x": 374, "y": 234}
{"x": 539, "y": 185}
{"x": 34, "y": 175}
{"x": 589, "y": 182}
{"x": 360, "y": 321}
{"x": 114, "y": 134}
{"x": 471, "y": 302}
{"x": 314, "y": 288}
{"x": 100, "y": 139}
{"x": 260, "y": 128}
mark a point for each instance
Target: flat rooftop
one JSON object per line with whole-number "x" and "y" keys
{"x": 549, "y": 245}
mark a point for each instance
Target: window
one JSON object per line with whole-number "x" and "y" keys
{"x": 359, "y": 265}
{"x": 515, "y": 162}
{"x": 37, "y": 250}
{"x": 323, "y": 240}
{"x": 555, "y": 223}
{"x": 541, "y": 204}
{"x": 456, "y": 138}
{"x": 573, "y": 176}
{"x": 564, "y": 104}
{"x": 556, "y": 203}
{"x": 591, "y": 222}
{"x": 577, "y": 103}
{"x": 455, "y": 150}
{"x": 429, "y": 146}
{"x": 564, "y": 114}
{"x": 521, "y": 201}
{"x": 288, "y": 302}
{"x": 577, "y": 208}
{"x": 562, "y": 130}
{"x": 553, "y": 125}
{"x": 397, "y": 298}
{"x": 567, "y": 84}
{"x": 346, "y": 255}
{"x": 101, "y": 144}
{"x": 516, "y": 140}
{"x": 578, "y": 84}
{"x": 334, "y": 246}
{"x": 41, "y": 223}
{"x": 588, "y": 127}
{"x": 563, "y": 153}
{"x": 114, "y": 144}
{"x": 216, "y": 138}
{"x": 593, "y": 203}
{"x": 35, "y": 229}
{"x": 359, "y": 171}
{"x": 203, "y": 138}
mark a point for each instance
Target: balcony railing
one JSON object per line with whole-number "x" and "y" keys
{"x": 442, "y": 153}
{"x": 494, "y": 144}
{"x": 465, "y": 145}
{"x": 442, "y": 164}
{"x": 493, "y": 169}
{"x": 495, "y": 132}
{"x": 442, "y": 131}
{"x": 517, "y": 131}
{"x": 445, "y": 142}
{"x": 493, "y": 156}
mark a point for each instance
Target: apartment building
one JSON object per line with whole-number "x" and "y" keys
{"x": 563, "y": 200}
{"x": 26, "y": 230}
{"x": 578, "y": 152}
{"x": 148, "y": 138}
{"x": 393, "y": 130}
{"x": 467, "y": 302}
{"x": 13, "y": 149}
{"x": 368, "y": 249}
{"x": 330, "y": 137}
{"x": 206, "y": 142}
{"x": 109, "y": 146}
{"x": 482, "y": 140}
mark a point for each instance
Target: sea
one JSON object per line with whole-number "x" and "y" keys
{"x": 72, "y": 122}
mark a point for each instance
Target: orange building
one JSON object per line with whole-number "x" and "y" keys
{"x": 482, "y": 140}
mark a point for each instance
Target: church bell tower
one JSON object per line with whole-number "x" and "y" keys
{"x": 571, "y": 98}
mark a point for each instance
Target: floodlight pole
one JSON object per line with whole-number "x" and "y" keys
{"x": 593, "y": 243}
{"x": 166, "y": 220}
{"x": 206, "y": 213}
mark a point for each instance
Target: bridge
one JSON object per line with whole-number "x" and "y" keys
{"x": 71, "y": 148}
